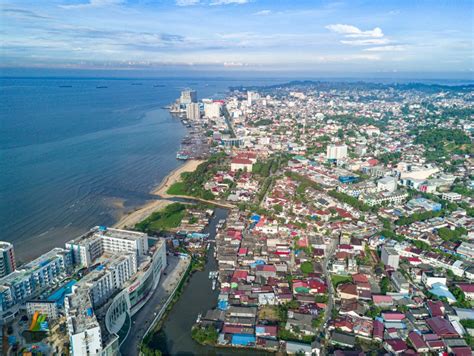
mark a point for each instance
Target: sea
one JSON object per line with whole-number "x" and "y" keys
{"x": 80, "y": 152}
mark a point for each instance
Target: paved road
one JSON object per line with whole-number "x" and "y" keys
{"x": 144, "y": 317}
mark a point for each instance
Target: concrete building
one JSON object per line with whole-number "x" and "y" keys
{"x": 387, "y": 184}
{"x": 193, "y": 112}
{"x": 400, "y": 282}
{"x": 212, "y": 110}
{"x": 32, "y": 279}
{"x": 100, "y": 239}
{"x": 336, "y": 152}
{"x": 7, "y": 258}
{"x": 252, "y": 97}
{"x": 45, "y": 307}
{"x": 466, "y": 249}
{"x": 390, "y": 257}
{"x": 188, "y": 97}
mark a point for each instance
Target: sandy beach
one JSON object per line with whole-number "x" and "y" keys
{"x": 175, "y": 176}
{"x": 129, "y": 220}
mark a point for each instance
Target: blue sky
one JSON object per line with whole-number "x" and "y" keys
{"x": 229, "y": 35}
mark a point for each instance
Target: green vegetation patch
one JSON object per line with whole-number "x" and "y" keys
{"x": 163, "y": 220}
{"x": 205, "y": 336}
{"x": 338, "y": 279}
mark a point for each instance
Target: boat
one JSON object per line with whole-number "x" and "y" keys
{"x": 198, "y": 320}
{"x": 65, "y": 86}
{"x": 213, "y": 284}
{"x": 101, "y": 87}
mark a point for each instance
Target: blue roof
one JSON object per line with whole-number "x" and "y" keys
{"x": 441, "y": 290}
{"x": 223, "y": 305}
{"x": 59, "y": 295}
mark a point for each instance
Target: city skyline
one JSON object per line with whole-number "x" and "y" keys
{"x": 241, "y": 36}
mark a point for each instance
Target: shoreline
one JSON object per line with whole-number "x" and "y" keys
{"x": 129, "y": 219}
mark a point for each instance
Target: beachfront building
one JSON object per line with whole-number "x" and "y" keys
{"x": 126, "y": 273}
{"x": 7, "y": 258}
{"x": 32, "y": 279}
{"x": 193, "y": 112}
{"x": 188, "y": 97}
{"x": 100, "y": 239}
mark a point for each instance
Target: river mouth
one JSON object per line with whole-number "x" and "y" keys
{"x": 174, "y": 338}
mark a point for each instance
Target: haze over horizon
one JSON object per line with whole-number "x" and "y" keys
{"x": 354, "y": 39}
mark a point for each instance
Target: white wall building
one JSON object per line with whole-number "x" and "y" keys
{"x": 212, "y": 110}
{"x": 336, "y": 152}
{"x": 390, "y": 257}
{"x": 388, "y": 184}
{"x": 193, "y": 112}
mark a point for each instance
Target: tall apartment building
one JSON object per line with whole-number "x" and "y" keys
{"x": 188, "y": 97}
{"x": 212, "y": 110}
{"x": 32, "y": 279}
{"x": 7, "y": 259}
{"x": 390, "y": 257}
{"x": 193, "y": 112}
{"x": 336, "y": 152}
{"x": 100, "y": 239}
{"x": 252, "y": 97}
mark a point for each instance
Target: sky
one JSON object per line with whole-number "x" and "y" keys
{"x": 349, "y": 36}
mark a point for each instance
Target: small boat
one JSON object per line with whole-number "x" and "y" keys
{"x": 213, "y": 284}
{"x": 101, "y": 87}
{"x": 198, "y": 320}
{"x": 65, "y": 86}
{"x": 137, "y": 83}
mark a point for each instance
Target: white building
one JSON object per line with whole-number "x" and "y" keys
{"x": 252, "y": 97}
{"x": 99, "y": 240}
{"x": 188, "y": 97}
{"x": 7, "y": 258}
{"x": 212, "y": 110}
{"x": 336, "y": 152}
{"x": 430, "y": 278}
{"x": 451, "y": 196}
{"x": 390, "y": 257}
{"x": 193, "y": 112}
{"x": 388, "y": 184}
{"x": 466, "y": 249}
{"x": 45, "y": 307}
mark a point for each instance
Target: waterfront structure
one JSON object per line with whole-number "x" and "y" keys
{"x": 193, "y": 112}
{"x": 390, "y": 257}
{"x": 7, "y": 258}
{"x": 336, "y": 152}
{"x": 126, "y": 273}
{"x": 32, "y": 279}
{"x": 99, "y": 240}
{"x": 188, "y": 97}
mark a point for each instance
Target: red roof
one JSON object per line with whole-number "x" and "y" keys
{"x": 417, "y": 340}
{"x": 466, "y": 287}
{"x": 442, "y": 327}
{"x": 390, "y": 316}
{"x": 240, "y": 274}
{"x": 378, "y": 329}
{"x": 398, "y": 345}
{"x": 360, "y": 278}
{"x": 435, "y": 307}
{"x": 241, "y": 161}
{"x": 380, "y": 299}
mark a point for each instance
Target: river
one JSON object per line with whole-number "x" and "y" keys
{"x": 174, "y": 338}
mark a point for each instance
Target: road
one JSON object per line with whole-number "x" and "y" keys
{"x": 144, "y": 317}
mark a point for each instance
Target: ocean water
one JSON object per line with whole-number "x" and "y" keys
{"x": 73, "y": 156}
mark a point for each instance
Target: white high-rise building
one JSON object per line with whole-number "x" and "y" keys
{"x": 7, "y": 259}
{"x": 336, "y": 152}
{"x": 252, "y": 97}
{"x": 99, "y": 240}
{"x": 188, "y": 97}
{"x": 193, "y": 112}
{"x": 212, "y": 110}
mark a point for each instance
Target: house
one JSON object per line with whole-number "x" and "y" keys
{"x": 467, "y": 289}
{"x": 417, "y": 341}
{"x": 342, "y": 339}
{"x": 347, "y": 291}
{"x": 382, "y": 301}
{"x": 243, "y": 164}
{"x": 395, "y": 346}
{"x": 300, "y": 322}
{"x": 377, "y": 334}
{"x": 442, "y": 327}
{"x": 429, "y": 278}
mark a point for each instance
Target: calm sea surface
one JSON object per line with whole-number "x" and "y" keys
{"x": 73, "y": 155}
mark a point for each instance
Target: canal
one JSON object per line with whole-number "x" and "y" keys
{"x": 174, "y": 338}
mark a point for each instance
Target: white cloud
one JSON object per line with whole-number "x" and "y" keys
{"x": 263, "y": 13}
{"x": 352, "y": 31}
{"x": 228, "y": 2}
{"x": 366, "y": 42}
{"x": 187, "y": 2}
{"x": 93, "y": 3}
{"x": 395, "y": 48}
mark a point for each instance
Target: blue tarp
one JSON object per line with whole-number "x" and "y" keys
{"x": 255, "y": 218}
{"x": 243, "y": 339}
{"x": 223, "y": 305}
